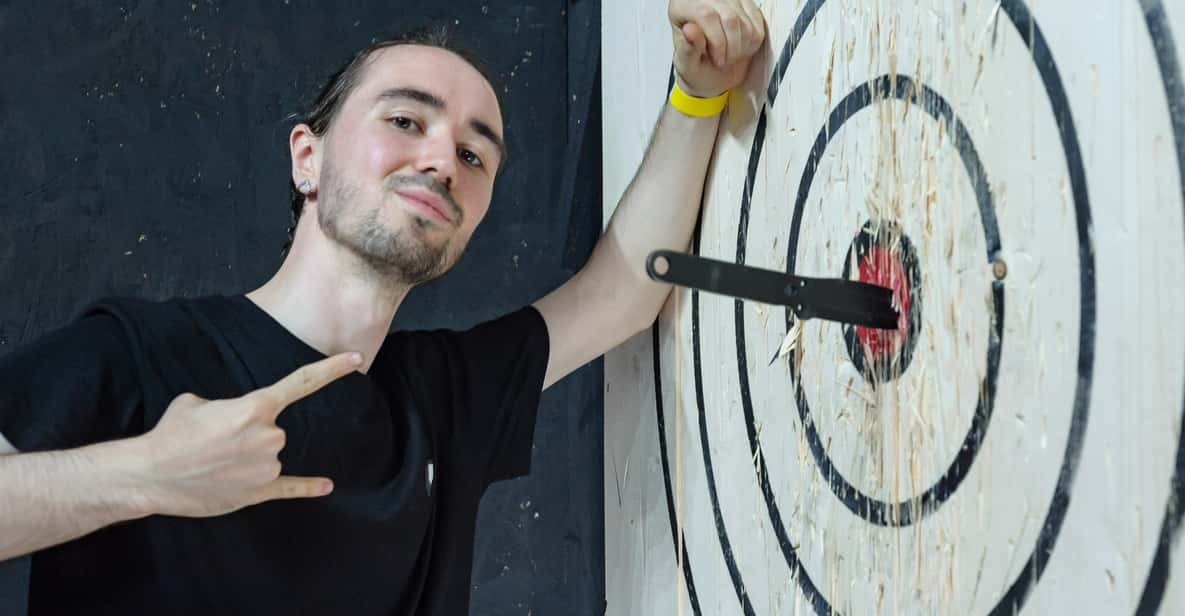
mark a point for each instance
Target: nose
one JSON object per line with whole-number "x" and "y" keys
{"x": 438, "y": 158}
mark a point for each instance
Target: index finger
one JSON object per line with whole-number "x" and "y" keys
{"x": 310, "y": 378}
{"x": 713, "y": 31}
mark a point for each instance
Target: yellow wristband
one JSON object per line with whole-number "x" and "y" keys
{"x": 697, "y": 107}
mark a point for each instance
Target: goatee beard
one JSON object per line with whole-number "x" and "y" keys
{"x": 399, "y": 256}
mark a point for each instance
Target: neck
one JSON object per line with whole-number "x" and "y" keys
{"x": 327, "y": 297}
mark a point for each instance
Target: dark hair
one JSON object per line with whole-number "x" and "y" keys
{"x": 343, "y": 81}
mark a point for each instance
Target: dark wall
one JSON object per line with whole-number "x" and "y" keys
{"x": 143, "y": 152}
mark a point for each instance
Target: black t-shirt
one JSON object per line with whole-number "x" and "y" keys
{"x": 411, "y": 446}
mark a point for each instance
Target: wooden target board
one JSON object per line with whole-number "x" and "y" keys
{"x": 1015, "y": 172}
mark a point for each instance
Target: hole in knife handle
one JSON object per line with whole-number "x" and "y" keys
{"x": 661, "y": 266}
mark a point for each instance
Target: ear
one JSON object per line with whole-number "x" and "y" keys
{"x": 305, "y": 148}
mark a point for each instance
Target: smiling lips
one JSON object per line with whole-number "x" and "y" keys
{"x": 427, "y": 203}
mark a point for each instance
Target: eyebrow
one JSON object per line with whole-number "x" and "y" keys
{"x": 484, "y": 130}
{"x": 431, "y": 100}
{"x": 415, "y": 94}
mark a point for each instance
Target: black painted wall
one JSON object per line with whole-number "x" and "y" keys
{"x": 143, "y": 152}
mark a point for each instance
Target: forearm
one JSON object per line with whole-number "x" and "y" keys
{"x": 611, "y": 298}
{"x": 658, "y": 210}
{"x": 47, "y": 498}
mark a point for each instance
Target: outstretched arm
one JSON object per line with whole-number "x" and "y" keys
{"x": 204, "y": 458}
{"x": 611, "y": 298}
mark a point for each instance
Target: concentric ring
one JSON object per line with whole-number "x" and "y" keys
{"x": 876, "y": 511}
{"x": 1018, "y": 592}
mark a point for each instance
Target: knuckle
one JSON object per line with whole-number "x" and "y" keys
{"x": 240, "y": 421}
{"x": 276, "y": 440}
{"x": 307, "y": 374}
{"x": 298, "y": 488}
{"x": 260, "y": 406}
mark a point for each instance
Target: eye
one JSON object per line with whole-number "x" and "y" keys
{"x": 404, "y": 123}
{"x": 471, "y": 159}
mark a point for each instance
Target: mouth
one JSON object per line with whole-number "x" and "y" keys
{"x": 427, "y": 205}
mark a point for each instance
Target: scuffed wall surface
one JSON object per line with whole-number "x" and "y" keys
{"x": 1014, "y": 171}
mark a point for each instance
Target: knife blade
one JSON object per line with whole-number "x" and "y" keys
{"x": 845, "y": 301}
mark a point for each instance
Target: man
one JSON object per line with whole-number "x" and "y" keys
{"x": 280, "y": 451}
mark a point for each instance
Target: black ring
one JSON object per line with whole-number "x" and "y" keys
{"x": 1031, "y": 34}
{"x": 1174, "y": 93}
{"x": 1018, "y": 592}
{"x": 877, "y": 371}
{"x": 916, "y": 508}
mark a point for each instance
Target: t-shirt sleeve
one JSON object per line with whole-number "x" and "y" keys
{"x": 71, "y": 387}
{"x": 481, "y": 388}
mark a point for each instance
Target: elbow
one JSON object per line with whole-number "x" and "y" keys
{"x": 648, "y": 307}
{"x": 629, "y": 300}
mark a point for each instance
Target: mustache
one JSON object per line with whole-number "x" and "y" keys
{"x": 421, "y": 180}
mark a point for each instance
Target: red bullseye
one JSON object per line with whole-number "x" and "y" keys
{"x": 882, "y": 267}
{"x": 882, "y": 254}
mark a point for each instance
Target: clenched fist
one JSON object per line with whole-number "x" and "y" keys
{"x": 715, "y": 40}
{"x": 214, "y": 457}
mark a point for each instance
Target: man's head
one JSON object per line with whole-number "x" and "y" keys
{"x": 399, "y": 154}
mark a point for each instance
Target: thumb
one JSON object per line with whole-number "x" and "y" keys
{"x": 288, "y": 486}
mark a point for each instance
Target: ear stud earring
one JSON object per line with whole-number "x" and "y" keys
{"x": 305, "y": 187}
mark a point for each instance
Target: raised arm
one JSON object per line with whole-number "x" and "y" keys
{"x": 611, "y": 298}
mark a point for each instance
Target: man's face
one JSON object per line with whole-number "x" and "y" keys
{"x": 407, "y": 167}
